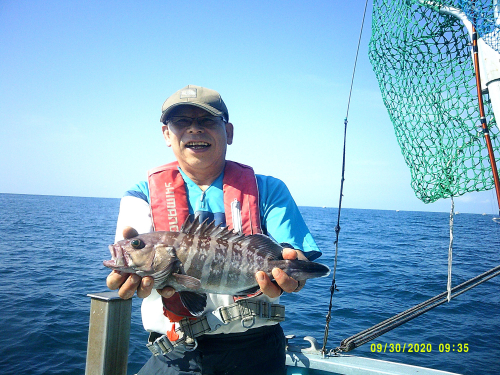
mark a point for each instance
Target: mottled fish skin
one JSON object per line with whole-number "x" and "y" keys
{"x": 205, "y": 258}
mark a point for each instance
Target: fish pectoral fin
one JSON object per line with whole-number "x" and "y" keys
{"x": 187, "y": 281}
{"x": 194, "y": 302}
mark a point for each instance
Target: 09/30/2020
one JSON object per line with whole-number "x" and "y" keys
{"x": 417, "y": 348}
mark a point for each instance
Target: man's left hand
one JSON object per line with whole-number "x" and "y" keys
{"x": 283, "y": 281}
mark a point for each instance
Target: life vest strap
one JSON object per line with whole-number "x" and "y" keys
{"x": 244, "y": 310}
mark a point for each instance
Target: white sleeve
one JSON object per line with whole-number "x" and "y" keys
{"x": 135, "y": 213}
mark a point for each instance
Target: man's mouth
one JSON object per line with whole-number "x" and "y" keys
{"x": 197, "y": 145}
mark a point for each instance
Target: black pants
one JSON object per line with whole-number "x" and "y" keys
{"x": 257, "y": 351}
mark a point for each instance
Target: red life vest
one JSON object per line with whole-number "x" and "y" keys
{"x": 169, "y": 201}
{"x": 169, "y": 207}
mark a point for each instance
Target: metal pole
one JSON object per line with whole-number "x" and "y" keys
{"x": 109, "y": 334}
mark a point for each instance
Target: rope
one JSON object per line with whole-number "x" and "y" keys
{"x": 450, "y": 248}
{"x": 401, "y": 318}
{"x": 333, "y": 287}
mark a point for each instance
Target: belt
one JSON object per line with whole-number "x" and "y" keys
{"x": 244, "y": 310}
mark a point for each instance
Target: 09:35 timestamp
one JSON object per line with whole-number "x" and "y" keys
{"x": 460, "y": 348}
{"x": 418, "y": 348}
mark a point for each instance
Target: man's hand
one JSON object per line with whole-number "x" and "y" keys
{"x": 285, "y": 282}
{"x": 128, "y": 283}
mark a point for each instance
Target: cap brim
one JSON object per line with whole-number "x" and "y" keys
{"x": 204, "y": 106}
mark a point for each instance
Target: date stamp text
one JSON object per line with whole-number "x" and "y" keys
{"x": 418, "y": 348}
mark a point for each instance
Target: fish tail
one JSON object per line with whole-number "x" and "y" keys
{"x": 300, "y": 269}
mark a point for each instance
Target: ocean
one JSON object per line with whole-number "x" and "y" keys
{"x": 53, "y": 247}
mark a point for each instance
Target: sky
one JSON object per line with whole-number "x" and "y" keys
{"x": 82, "y": 84}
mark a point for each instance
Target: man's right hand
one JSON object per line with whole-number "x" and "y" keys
{"x": 127, "y": 284}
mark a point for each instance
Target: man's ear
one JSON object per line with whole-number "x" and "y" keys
{"x": 166, "y": 135}
{"x": 229, "y": 133}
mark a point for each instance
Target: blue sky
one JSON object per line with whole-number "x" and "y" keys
{"x": 82, "y": 84}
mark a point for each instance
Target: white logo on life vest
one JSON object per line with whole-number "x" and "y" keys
{"x": 171, "y": 208}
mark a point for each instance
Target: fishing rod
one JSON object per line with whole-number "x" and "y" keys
{"x": 484, "y": 124}
{"x": 333, "y": 286}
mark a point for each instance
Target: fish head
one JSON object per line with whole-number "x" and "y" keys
{"x": 142, "y": 255}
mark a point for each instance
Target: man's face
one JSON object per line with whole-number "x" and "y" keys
{"x": 194, "y": 144}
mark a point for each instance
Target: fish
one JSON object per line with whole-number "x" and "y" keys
{"x": 204, "y": 258}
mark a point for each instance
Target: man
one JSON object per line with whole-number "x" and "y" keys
{"x": 203, "y": 185}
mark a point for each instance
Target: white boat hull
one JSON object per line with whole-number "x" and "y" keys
{"x": 300, "y": 360}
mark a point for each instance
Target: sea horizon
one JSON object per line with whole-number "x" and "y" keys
{"x": 326, "y": 207}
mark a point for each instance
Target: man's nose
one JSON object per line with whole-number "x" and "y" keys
{"x": 195, "y": 127}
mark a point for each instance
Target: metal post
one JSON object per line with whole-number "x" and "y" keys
{"x": 109, "y": 334}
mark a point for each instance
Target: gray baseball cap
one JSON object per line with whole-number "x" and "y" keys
{"x": 209, "y": 100}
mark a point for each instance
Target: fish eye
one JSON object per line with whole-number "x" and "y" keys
{"x": 137, "y": 243}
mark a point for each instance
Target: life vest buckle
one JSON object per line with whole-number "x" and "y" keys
{"x": 161, "y": 345}
{"x": 215, "y": 320}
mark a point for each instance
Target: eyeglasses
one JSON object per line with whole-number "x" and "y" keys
{"x": 204, "y": 122}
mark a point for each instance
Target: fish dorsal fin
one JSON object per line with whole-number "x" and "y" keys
{"x": 263, "y": 245}
{"x": 199, "y": 229}
{"x": 210, "y": 229}
{"x": 203, "y": 227}
{"x": 186, "y": 226}
{"x": 226, "y": 233}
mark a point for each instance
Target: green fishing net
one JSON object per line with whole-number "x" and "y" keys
{"x": 422, "y": 60}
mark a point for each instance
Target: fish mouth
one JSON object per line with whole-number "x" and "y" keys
{"x": 197, "y": 145}
{"x": 119, "y": 258}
